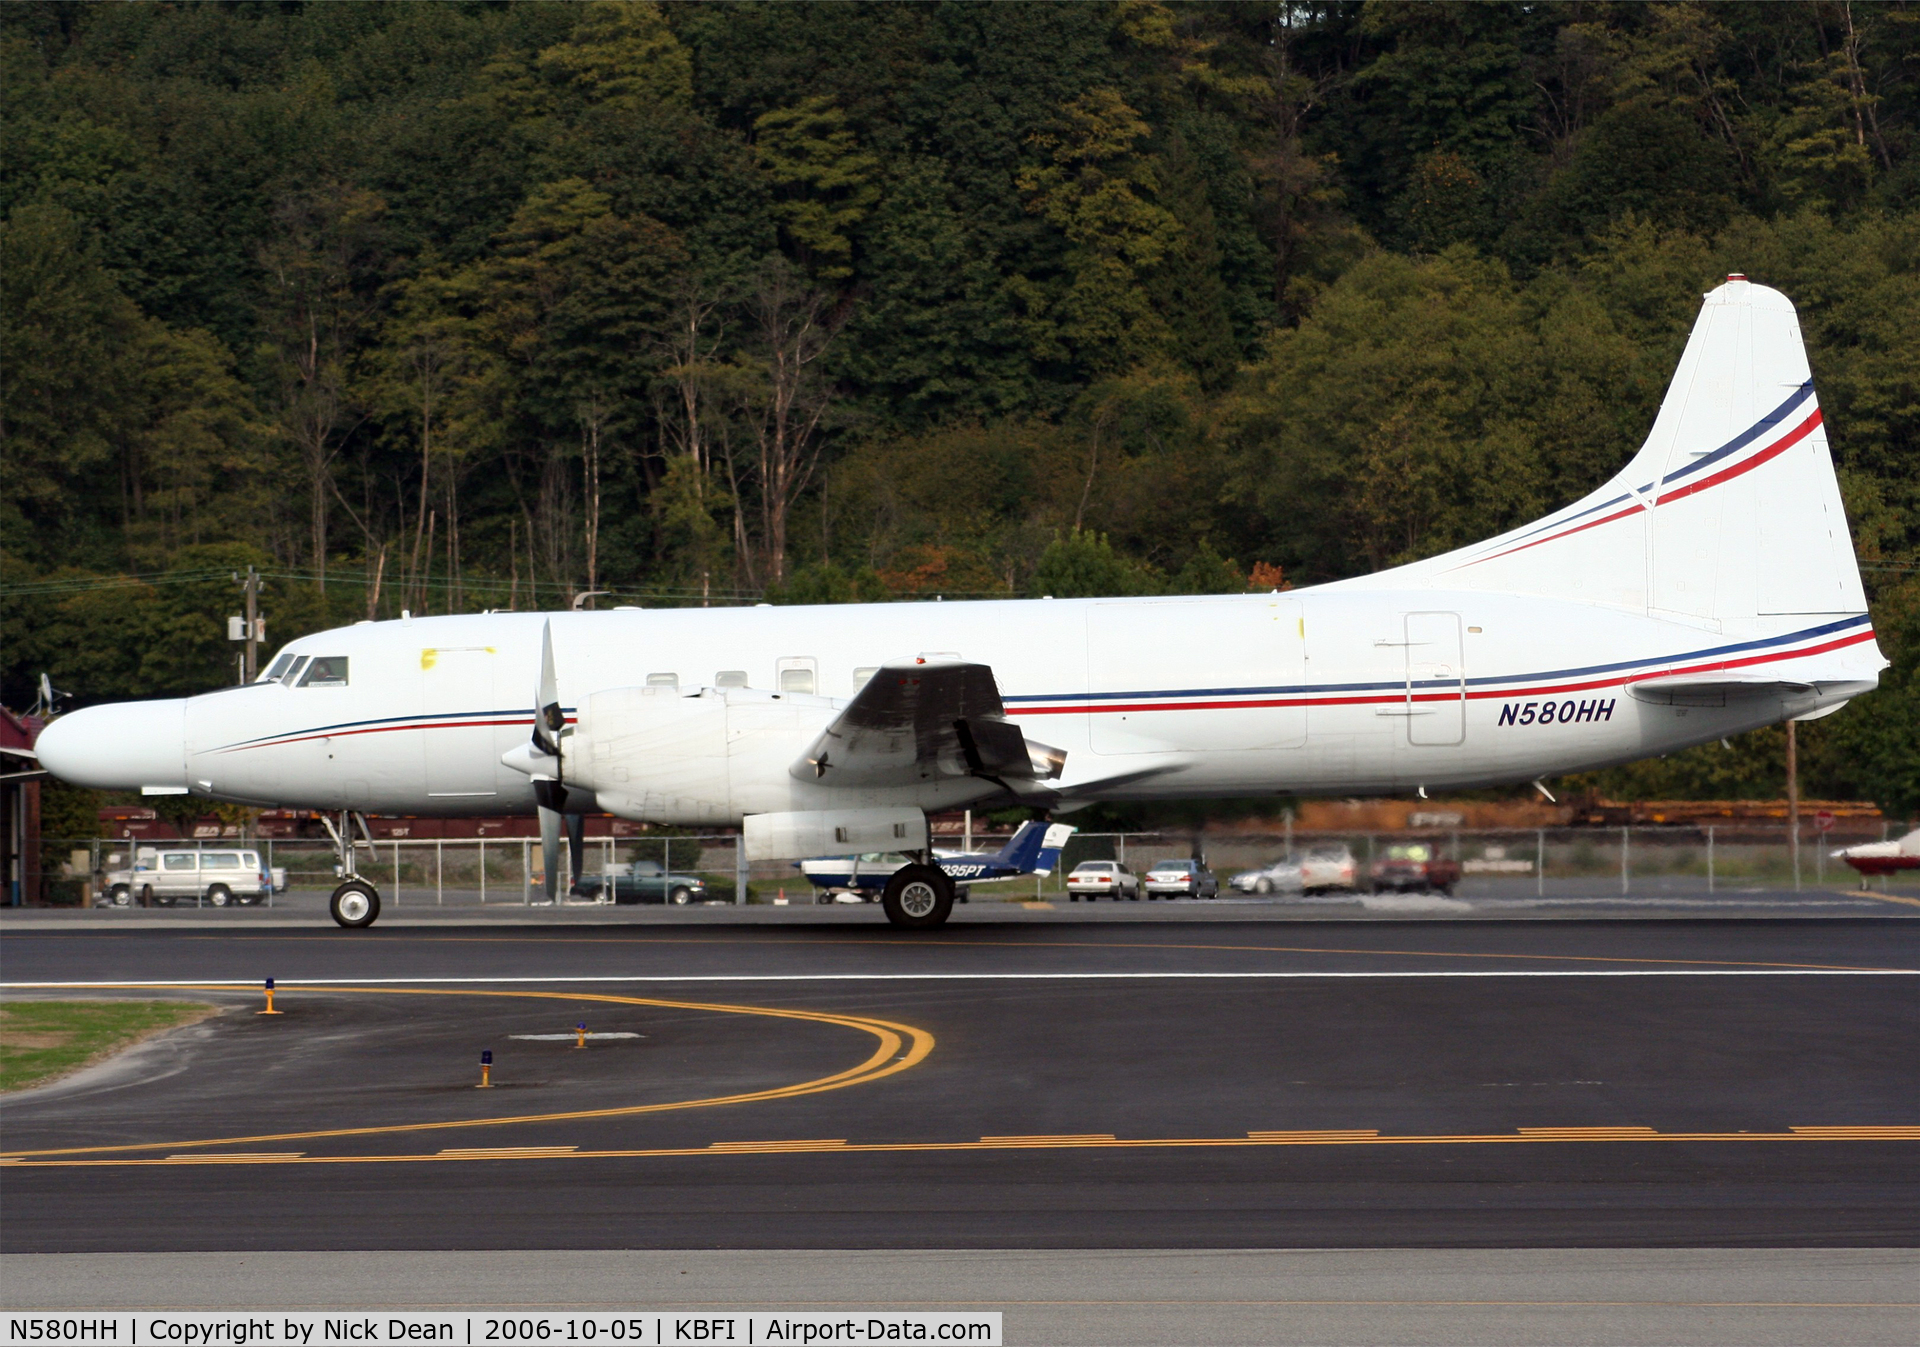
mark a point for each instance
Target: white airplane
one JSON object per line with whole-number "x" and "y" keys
{"x": 1710, "y": 588}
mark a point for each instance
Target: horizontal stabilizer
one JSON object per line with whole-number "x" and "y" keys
{"x": 1717, "y": 689}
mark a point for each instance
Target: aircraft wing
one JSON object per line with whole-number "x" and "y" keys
{"x": 921, "y": 720}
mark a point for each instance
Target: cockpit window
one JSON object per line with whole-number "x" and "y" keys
{"x": 299, "y": 663}
{"x": 326, "y": 671}
{"x": 280, "y": 666}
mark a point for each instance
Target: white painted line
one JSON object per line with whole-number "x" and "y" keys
{"x": 286, "y": 983}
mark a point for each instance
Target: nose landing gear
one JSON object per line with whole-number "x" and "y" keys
{"x": 356, "y": 903}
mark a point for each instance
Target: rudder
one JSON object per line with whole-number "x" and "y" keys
{"x": 1729, "y": 516}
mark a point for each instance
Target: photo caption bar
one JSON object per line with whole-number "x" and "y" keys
{"x": 711, "y": 1328}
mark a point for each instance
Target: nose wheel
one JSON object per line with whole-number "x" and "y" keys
{"x": 355, "y": 904}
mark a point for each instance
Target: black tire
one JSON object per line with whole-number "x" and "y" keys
{"x": 918, "y": 897}
{"x": 355, "y": 904}
{"x": 121, "y": 895}
{"x": 680, "y": 895}
{"x": 219, "y": 895}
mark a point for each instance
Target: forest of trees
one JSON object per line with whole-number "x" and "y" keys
{"x": 448, "y": 306}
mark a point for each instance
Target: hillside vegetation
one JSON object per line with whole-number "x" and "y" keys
{"x": 444, "y": 306}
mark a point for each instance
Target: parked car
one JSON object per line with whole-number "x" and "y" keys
{"x": 1329, "y": 866}
{"x": 1181, "y": 879}
{"x": 161, "y": 878}
{"x": 1094, "y": 880}
{"x": 1279, "y": 877}
{"x": 642, "y": 882}
{"x": 1412, "y": 867}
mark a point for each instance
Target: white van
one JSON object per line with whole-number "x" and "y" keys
{"x": 162, "y": 877}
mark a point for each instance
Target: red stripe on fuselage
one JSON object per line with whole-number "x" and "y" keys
{"x": 380, "y": 729}
{"x": 1745, "y": 465}
{"x": 1473, "y": 694}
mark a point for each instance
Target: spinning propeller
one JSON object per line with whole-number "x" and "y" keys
{"x": 547, "y": 763}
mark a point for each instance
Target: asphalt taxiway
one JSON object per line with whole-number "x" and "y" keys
{"x": 992, "y": 1085}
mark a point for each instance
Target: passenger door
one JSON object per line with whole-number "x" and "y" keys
{"x": 179, "y": 874}
{"x": 1436, "y": 680}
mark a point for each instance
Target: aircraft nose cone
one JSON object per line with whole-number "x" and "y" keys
{"x": 120, "y": 746}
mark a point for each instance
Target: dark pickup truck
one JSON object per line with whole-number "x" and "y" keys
{"x": 645, "y": 882}
{"x": 1412, "y": 867}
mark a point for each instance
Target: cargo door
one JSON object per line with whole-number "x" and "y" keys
{"x": 457, "y": 710}
{"x": 1436, "y": 704}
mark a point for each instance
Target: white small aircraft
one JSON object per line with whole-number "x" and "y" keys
{"x": 1710, "y": 588}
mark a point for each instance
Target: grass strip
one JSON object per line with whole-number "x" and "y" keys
{"x": 41, "y": 1040}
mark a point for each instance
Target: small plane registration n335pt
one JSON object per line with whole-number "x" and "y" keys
{"x": 1707, "y": 589}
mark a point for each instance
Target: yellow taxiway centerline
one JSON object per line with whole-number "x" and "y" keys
{"x": 1531, "y": 1136}
{"x": 901, "y": 1046}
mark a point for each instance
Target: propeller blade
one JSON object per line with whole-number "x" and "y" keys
{"x": 550, "y": 851}
{"x": 548, "y": 719}
{"x": 576, "y": 849}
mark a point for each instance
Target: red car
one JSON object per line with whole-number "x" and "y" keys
{"x": 1411, "y": 867}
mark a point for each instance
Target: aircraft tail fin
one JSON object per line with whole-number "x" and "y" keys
{"x": 1023, "y": 848}
{"x": 1035, "y": 847}
{"x": 1728, "y": 517}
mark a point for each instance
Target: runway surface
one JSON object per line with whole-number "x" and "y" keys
{"x": 987, "y": 1086}
{"x": 1376, "y": 1297}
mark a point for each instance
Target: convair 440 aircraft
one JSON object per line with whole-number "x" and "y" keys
{"x": 1708, "y": 589}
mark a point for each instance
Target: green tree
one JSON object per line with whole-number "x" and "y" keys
{"x": 1101, "y": 194}
{"x": 623, "y": 51}
{"x": 824, "y": 182}
{"x": 1082, "y": 565}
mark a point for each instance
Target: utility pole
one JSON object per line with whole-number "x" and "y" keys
{"x": 1793, "y": 799}
{"x": 253, "y": 623}
{"x": 248, "y": 627}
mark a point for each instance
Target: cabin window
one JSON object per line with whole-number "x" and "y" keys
{"x": 221, "y": 860}
{"x": 326, "y": 671}
{"x": 862, "y": 674}
{"x": 180, "y": 860}
{"x": 663, "y": 680}
{"x": 730, "y": 678}
{"x": 798, "y": 673}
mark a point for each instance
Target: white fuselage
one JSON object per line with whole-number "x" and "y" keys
{"x": 1326, "y": 690}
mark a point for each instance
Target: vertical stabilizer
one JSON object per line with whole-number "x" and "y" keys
{"x": 1729, "y": 515}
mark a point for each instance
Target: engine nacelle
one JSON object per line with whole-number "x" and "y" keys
{"x": 717, "y": 755}
{"x": 659, "y": 755}
{"x": 775, "y": 837}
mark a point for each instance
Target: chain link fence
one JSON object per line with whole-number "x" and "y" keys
{"x": 1539, "y": 862}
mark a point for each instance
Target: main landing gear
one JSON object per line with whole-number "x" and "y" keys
{"x": 918, "y": 896}
{"x": 356, "y": 903}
